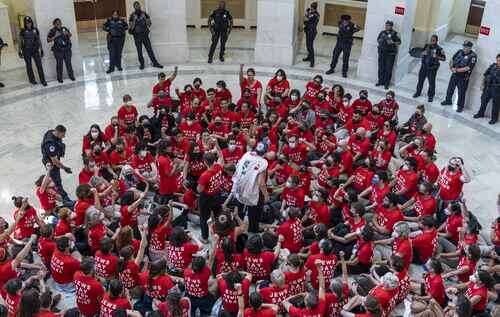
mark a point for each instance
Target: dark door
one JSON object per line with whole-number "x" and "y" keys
{"x": 475, "y": 17}
{"x": 98, "y": 9}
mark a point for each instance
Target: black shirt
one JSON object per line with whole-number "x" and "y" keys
{"x": 429, "y": 60}
{"x": 141, "y": 19}
{"x": 115, "y": 27}
{"x": 492, "y": 77}
{"x": 52, "y": 147}
{"x": 383, "y": 42}
{"x": 31, "y": 39}
{"x": 460, "y": 60}
{"x": 222, "y": 19}
{"x": 312, "y": 21}
{"x": 62, "y": 42}
{"x": 346, "y": 31}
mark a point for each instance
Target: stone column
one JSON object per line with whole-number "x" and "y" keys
{"x": 168, "y": 32}
{"x": 129, "y": 5}
{"x": 44, "y": 13}
{"x": 5, "y": 31}
{"x": 487, "y": 48}
{"x": 377, "y": 13}
{"x": 277, "y": 27}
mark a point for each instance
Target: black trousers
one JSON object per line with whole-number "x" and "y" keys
{"x": 489, "y": 94}
{"x": 55, "y": 174}
{"x": 205, "y": 304}
{"x": 140, "y": 40}
{"x": 430, "y": 75}
{"x": 216, "y": 36}
{"x": 115, "y": 47}
{"x": 208, "y": 204}
{"x": 63, "y": 56}
{"x": 35, "y": 55}
{"x": 385, "y": 67}
{"x": 310, "y": 37}
{"x": 461, "y": 83}
{"x": 343, "y": 47}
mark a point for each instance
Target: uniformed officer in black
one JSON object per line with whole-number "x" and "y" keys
{"x": 388, "y": 41}
{"x": 116, "y": 28}
{"x": 53, "y": 149}
{"x": 140, "y": 22}
{"x": 432, "y": 55}
{"x": 61, "y": 37}
{"x": 461, "y": 66}
{"x": 345, "y": 38}
{"x": 491, "y": 90}
{"x": 311, "y": 20}
{"x": 30, "y": 47}
{"x": 220, "y": 23}
{"x": 2, "y": 45}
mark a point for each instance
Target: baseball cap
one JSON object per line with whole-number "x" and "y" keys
{"x": 261, "y": 148}
{"x": 389, "y": 22}
{"x": 468, "y": 43}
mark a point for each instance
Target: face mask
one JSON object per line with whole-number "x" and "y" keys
{"x": 389, "y": 98}
{"x": 114, "y": 124}
{"x": 232, "y": 147}
{"x": 375, "y": 113}
{"x": 94, "y": 135}
{"x": 447, "y": 212}
{"x": 363, "y": 97}
{"x": 451, "y": 168}
{"x": 197, "y": 86}
{"x": 395, "y": 235}
{"x": 405, "y": 167}
{"x": 218, "y": 124}
{"x": 279, "y": 78}
{"x": 418, "y": 114}
{"x": 188, "y": 91}
{"x": 128, "y": 103}
{"x": 315, "y": 198}
{"x": 294, "y": 98}
{"x": 292, "y": 145}
{"x": 375, "y": 180}
{"x": 119, "y": 150}
{"x": 189, "y": 123}
{"x": 421, "y": 190}
{"x": 161, "y": 96}
{"x": 143, "y": 153}
{"x": 284, "y": 214}
{"x": 473, "y": 278}
{"x": 289, "y": 184}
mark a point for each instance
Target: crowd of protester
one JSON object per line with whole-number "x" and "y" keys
{"x": 351, "y": 217}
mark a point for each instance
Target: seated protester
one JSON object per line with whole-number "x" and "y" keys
{"x": 106, "y": 263}
{"x": 232, "y": 153}
{"x": 88, "y": 171}
{"x": 64, "y": 224}
{"x": 166, "y": 173}
{"x": 325, "y": 143}
{"x": 131, "y": 207}
{"x": 380, "y": 155}
{"x": 295, "y": 277}
{"x": 113, "y": 130}
{"x": 428, "y": 137}
{"x": 276, "y": 292}
{"x": 280, "y": 170}
{"x": 358, "y": 121}
{"x": 342, "y": 201}
{"x": 130, "y": 138}
{"x": 377, "y": 191}
{"x": 335, "y": 96}
{"x": 339, "y": 291}
{"x": 292, "y": 195}
{"x": 191, "y": 128}
{"x": 303, "y": 118}
{"x": 196, "y": 108}
{"x": 222, "y": 92}
{"x": 161, "y": 100}
{"x": 448, "y": 232}
{"x": 278, "y": 86}
{"x": 102, "y": 161}
{"x": 25, "y": 226}
{"x": 385, "y": 292}
{"x": 359, "y": 144}
{"x": 321, "y": 106}
{"x": 423, "y": 203}
{"x": 13, "y": 290}
{"x": 246, "y": 98}
{"x": 196, "y": 282}
{"x": 318, "y": 211}
{"x": 313, "y": 87}
{"x": 120, "y": 156}
{"x": 155, "y": 282}
{"x": 97, "y": 231}
{"x": 315, "y": 305}
{"x": 346, "y": 158}
{"x": 415, "y": 123}
{"x": 375, "y": 121}
{"x": 225, "y": 257}
{"x": 361, "y": 178}
{"x": 389, "y": 107}
{"x": 432, "y": 286}
{"x": 180, "y": 248}
{"x": 414, "y": 149}
{"x": 35, "y": 303}
{"x": 230, "y": 286}
{"x": 251, "y": 86}
{"x": 89, "y": 292}
{"x": 424, "y": 242}
{"x": 185, "y": 98}
{"x": 143, "y": 163}
{"x": 387, "y": 215}
{"x": 291, "y": 230}
{"x": 46, "y": 244}
{"x": 297, "y": 150}
{"x": 217, "y": 129}
{"x": 116, "y": 298}
{"x": 257, "y": 307}
{"x": 362, "y": 104}
{"x": 467, "y": 262}
{"x": 370, "y": 304}
{"x": 227, "y": 116}
{"x": 345, "y": 111}
{"x": 480, "y": 283}
{"x": 429, "y": 171}
{"x": 164, "y": 83}
{"x": 328, "y": 262}
{"x": 227, "y": 225}
{"x": 452, "y": 179}
{"x": 397, "y": 265}
{"x": 127, "y": 113}
{"x": 63, "y": 266}
{"x": 246, "y": 116}
{"x": 405, "y": 184}
{"x": 128, "y": 266}
{"x": 258, "y": 262}
{"x": 362, "y": 254}
{"x": 46, "y": 193}
{"x": 160, "y": 228}
{"x": 401, "y": 245}
{"x": 94, "y": 137}
{"x": 314, "y": 236}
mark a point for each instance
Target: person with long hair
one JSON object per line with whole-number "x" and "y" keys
{"x": 175, "y": 305}
{"x": 257, "y": 307}
{"x": 129, "y": 268}
{"x": 115, "y": 298}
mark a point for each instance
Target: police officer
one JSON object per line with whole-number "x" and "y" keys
{"x": 30, "y": 47}
{"x": 344, "y": 44}
{"x": 53, "y": 149}
{"x": 220, "y": 23}
{"x": 2, "y": 45}
{"x": 491, "y": 90}
{"x": 61, "y": 37}
{"x": 388, "y": 41}
{"x": 140, "y": 22}
{"x": 431, "y": 57}
{"x": 461, "y": 66}
{"x": 116, "y": 27}
{"x": 311, "y": 20}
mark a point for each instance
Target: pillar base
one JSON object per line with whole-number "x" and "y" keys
{"x": 270, "y": 54}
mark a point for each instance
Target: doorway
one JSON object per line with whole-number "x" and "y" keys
{"x": 475, "y": 17}
{"x": 90, "y": 13}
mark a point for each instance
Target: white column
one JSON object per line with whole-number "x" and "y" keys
{"x": 487, "y": 48}
{"x": 168, "y": 32}
{"x": 44, "y": 13}
{"x": 5, "y": 32}
{"x": 277, "y": 26}
{"x": 377, "y": 13}
{"x": 129, "y": 5}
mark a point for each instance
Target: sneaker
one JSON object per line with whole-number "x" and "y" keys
{"x": 305, "y": 59}
{"x": 311, "y": 64}
{"x": 330, "y": 71}
{"x": 459, "y": 110}
{"x": 478, "y": 115}
{"x": 446, "y": 103}
{"x": 109, "y": 71}
{"x": 386, "y": 87}
{"x": 60, "y": 81}
{"x": 72, "y": 78}
{"x": 415, "y": 95}
{"x": 44, "y": 83}
{"x": 33, "y": 82}
{"x": 344, "y": 75}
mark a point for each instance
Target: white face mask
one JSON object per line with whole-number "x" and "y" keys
{"x": 94, "y": 135}
{"x": 294, "y": 98}
{"x": 447, "y": 212}
{"x": 405, "y": 167}
{"x": 289, "y": 184}
{"x": 473, "y": 278}
{"x": 231, "y": 147}
{"x": 292, "y": 145}
{"x": 315, "y": 198}
{"x": 143, "y": 153}
{"x": 128, "y": 103}
{"x": 395, "y": 235}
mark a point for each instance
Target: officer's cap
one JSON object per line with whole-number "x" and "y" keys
{"x": 389, "y": 22}
{"x": 345, "y": 17}
{"x": 468, "y": 44}
{"x": 28, "y": 19}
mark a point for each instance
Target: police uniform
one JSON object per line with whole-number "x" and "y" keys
{"x": 388, "y": 42}
{"x": 141, "y": 23}
{"x": 491, "y": 91}
{"x": 54, "y": 147}
{"x": 62, "y": 52}
{"x": 310, "y": 29}
{"x": 116, "y": 39}
{"x": 220, "y": 24}
{"x": 31, "y": 48}
{"x": 345, "y": 39}
{"x": 428, "y": 69}
{"x": 460, "y": 80}
{"x": 2, "y": 45}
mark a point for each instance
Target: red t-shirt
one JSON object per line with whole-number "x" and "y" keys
{"x": 63, "y": 267}
{"x": 292, "y": 231}
{"x": 388, "y": 217}
{"x": 47, "y": 199}
{"x": 185, "y": 305}
{"x": 232, "y": 157}
{"x": 466, "y": 262}
{"x": 253, "y": 89}
{"x": 128, "y": 114}
{"x": 46, "y": 248}
{"x": 223, "y": 266}
{"x": 129, "y": 218}
{"x": 450, "y": 185}
{"x": 362, "y": 179}
{"x": 106, "y": 265}
{"x": 158, "y": 239}
{"x": 318, "y": 311}
{"x": 129, "y": 276}
{"x": 482, "y": 291}
{"x": 403, "y": 248}
{"x": 275, "y": 295}
{"x": 424, "y": 205}
{"x": 95, "y": 235}
{"x": 230, "y": 296}
{"x": 333, "y": 303}
{"x": 181, "y": 257}
{"x": 294, "y": 197}
{"x": 211, "y": 180}
{"x": 296, "y": 155}
{"x": 359, "y": 146}
{"x": 197, "y": 283}
{"x": 329, "y": 262}
{"x": 430, "y": 173}
{"x": 108, "y": 305}
{"x": 190, "y": 131}
{"x": 296, "y": 282}
{"x": 12, "y": 304}
{"x": 312, "y": 90}
{"x": 157, "y": 287}
{"x": 364, "y": 105}
{"x": 320, "y": 213}
{"x": 259, "y": 265}
{"x": 6, "y": 273}
{"x": 453, "y": 222}
{"x": 384, "y": 297}
{"x": 365, "y": 251}
{"x": 26, "y": 226}
{"x": 262, "y": 312}
{"x": 406, "y": 181}
{"x": 435, "y": 287}
{"x": 165, "y": 86}
{"x": 63, "y": 227}
{"x": 278, "y": 87}
{"x": 378, "y": 193}
{"x": 167, "y": 181}
{"x": 388, "y": 108}
{"x": 89, "y": 293}
{"x": 84, "y": 176}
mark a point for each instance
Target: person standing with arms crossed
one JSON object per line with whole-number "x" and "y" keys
{"x": 311, "y": 20}
{"x": 432, "y": 55}
{"x": 388, "y": 41}
{"x": 30, "y": 47}
{"x": 220, "y": 23}
{"x": 344, "y": 44}
{"x": 61, "y": 37}
{"x": 116, "y": 27}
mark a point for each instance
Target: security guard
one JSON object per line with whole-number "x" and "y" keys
{"x": 344, "y": 44}
{"x": 311, "y": 20}
{"x": 491, "y": 90}
{"x": 61, "y": 37}
{"x": 388, "y": 41}
{"x": 220, "y": 23}
{"x": 53, "y": 149}
{"x": 431, "y": 57}
{"x": 461, "y": 66}
{"x": 140, "y": 22}
{"x": 116, "y": 27}
{"x": 30, "y": 47}
{"x": 2, "y": 45}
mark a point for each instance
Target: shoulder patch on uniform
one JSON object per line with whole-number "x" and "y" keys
{"x": 52, "y": 148}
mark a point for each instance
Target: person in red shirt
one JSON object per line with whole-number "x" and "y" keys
{"x": 425, "y": 244}
{"x": 114, "y": 299}
{"x": 89, "y": 291}
{"x": 452, "y": 179}
{"x": 339, "y": 294}
{"x": 387, "y": 215}
{"x": 180, "y": 248}
{"x": 36, "y": 303}
{"x": 389, "y": 107}
{"x": 467, "y": 262}
{"x": 276, "y": 292}
{"x": 291, "y": 230}
{"x": 222, "y": 92}
{"x": 120, "y": 156}
{"x": 319, "y": 211}
{"x": 46, "y": 193}
{"x": 161, "y": 100}
{"x": 94, "y": 137}
{"x": 258, "y": 262}
{"x": 375, "y": 120}
{"x": 106, "y": 263}
{"x": 432, "y": 286}
{"x": 295, "y": 277}
{"x": 13, "y": 291}
{"x": 293, "y": 195}
{"x": 164, "y": 83}
{"x": 405, "y": 184}
{"x": 166, "y": 172}
{"x": 380, "y": 155}
{"x": 428, "y": 137}
{"x": 156, "y": 283}
{"x": 63, "y": 264}
{"x": 196, "y": 282}
{"x": 385, "y": 292}
{"x": 328, "y": 262}
{"x": 362, "y": 258}
{"x": 46, "y": 244}
{"x": 429, "y": 172}
{"x": 363, "y": 103}
{"x": 229, "y": 290}
{"x": 477, "y": 289}
{"x": 361, "y": 179}
{"x": 191, "y": 128}
{"x": 421, "y": 204}
{"x": 128, "y": 267}
{"x": 25, "y": 226}
{"x": 371, "y": 305}
{"x": 127, "y": 113}
{"x": 89, "y": 169}
{"x": 278, "y": 86}
{"x": 232, "y": 153}
{"x": 174, "y": 306}
{"x": 313, "y": 87}
{"x": 449, "y": 230}
{"x": 254, "y": 86}
{"x": 359, "y": 144}
{"x": 257, "y": 306}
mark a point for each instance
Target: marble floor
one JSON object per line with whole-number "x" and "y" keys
{"x": 28, "y": 112}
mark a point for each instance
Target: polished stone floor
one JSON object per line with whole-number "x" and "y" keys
{"x": 28, "y": 112}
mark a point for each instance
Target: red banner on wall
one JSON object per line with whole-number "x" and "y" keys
{"x": 484, "y": 30}
{"x": 399, "y": 10}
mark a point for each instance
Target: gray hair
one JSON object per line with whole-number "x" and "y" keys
{"x": 402, "y": 228}
{"x": 277, "y": 277}
{"x": 390, "y": 280}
